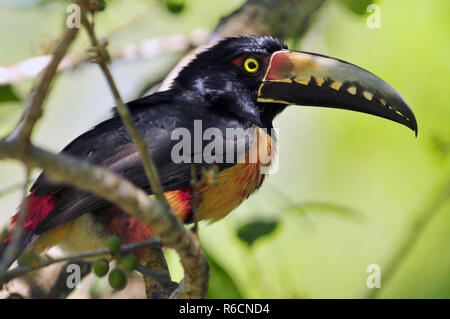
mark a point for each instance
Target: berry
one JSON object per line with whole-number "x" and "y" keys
{"x": 100, "y": 267}
{"x": 117, "y": 279}
{"x": 129, "y": 263}
{"x": 113, "y": 243}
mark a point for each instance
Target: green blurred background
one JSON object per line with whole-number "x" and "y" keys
{"x": 350, "y": 190}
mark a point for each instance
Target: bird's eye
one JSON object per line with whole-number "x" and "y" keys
{"x": 251, "y": 65}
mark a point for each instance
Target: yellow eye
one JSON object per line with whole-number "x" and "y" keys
{"x": 251, "y": 65}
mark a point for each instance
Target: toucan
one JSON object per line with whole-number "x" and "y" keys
{"x": 238, "y": 84}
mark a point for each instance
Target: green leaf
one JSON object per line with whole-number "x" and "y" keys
{"x": 98, "y": 5}
{"x": 9, "y": 94}
{"x": 252, "y": 231}
{"x": 358, "y": 6}
{"x": 221, "y": 284}
{"x": 175, "y": 6}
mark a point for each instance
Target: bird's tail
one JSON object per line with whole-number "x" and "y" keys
{"x": 39, "y": 206}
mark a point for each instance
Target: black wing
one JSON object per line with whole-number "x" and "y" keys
{"x": 109, "y": 145}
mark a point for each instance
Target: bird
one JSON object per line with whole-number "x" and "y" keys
{"x": 239, "y": 84}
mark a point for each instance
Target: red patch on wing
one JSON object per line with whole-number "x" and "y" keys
{"x": 127, "y": 228}
{"x": 180, "y": 201}
{"x": 39, "y": 206}
{"x": 131, "y": 230}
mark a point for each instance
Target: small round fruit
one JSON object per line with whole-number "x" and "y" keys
{"x": 130, "y": 263}
{"x": 117, "y": 279}
{"x": 113, "y": 243}
{"x": 100, "y": 267}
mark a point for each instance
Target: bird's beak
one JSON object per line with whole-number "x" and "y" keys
{"x": 302, "y": 78}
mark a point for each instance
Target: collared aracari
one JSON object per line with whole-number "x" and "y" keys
{"x": 240, "y": 82}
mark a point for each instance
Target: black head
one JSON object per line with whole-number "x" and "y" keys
{"x": 229, "y": 74}
{"x": 255, "y": 78}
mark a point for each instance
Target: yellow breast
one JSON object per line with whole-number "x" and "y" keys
{"x": 233, "y": 185}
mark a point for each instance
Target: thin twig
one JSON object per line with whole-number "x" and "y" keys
{"x": 147, "y": 162}
{"x": 21, "y": 136}
{"x": 146, "y": 49}
{"x": 21, "y": 270}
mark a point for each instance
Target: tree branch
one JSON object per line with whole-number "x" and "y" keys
{"x": 157, "y": 280}
{"x": 21, "y": 136}
{"x": 282, "y": 19}
{"x": 63, "y": 168}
